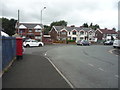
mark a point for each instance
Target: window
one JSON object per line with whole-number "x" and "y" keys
{"x": 74, "y": 38}
{"x": 37, "y": 37}
{"x": 90, "y": 33}
{"x": 37, "y": 30}
{"x": 81, "y": 38}
{"x": 21, "y": 31}
{"x": 30, "y": 30}
{"x": 74, "y": 32}
{"x": 63, "y": 33}
{"x": 63, "y": 38}
{"x": 81, "y": 32}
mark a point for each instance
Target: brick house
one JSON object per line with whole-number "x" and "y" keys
{"x": 30, "y": 30}
{"x": 71, "y": 33}
{"x": 105, "y": 34}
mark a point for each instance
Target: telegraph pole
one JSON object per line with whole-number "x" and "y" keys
{"x": 18, "y": 20}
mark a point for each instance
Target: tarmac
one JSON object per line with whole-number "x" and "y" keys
{"x": 33, "y": 71}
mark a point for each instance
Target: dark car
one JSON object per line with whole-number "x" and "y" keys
{"x": 83, "y": 42}
{"x": 108, "y": 42}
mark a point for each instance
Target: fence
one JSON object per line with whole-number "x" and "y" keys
{"x": 8, "y": 50}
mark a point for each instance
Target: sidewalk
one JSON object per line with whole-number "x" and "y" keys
{"x": 33, "y": 72}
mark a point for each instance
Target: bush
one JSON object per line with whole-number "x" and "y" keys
{"x": 70, "y": 40}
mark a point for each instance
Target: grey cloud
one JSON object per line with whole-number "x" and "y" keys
{"x": 73, "y": 11}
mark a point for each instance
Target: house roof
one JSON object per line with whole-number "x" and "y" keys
{"x": 30, "y": 25}
{"x": 58, "y": 28}
{"x": 108, "y": 31}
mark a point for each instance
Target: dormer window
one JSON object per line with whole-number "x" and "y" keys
{"x": 37, "y": 30}
{"x": 90, "y": 33}
{"x": 63, "y": 33}
{"x": 30, "y": 30}
{"x": 81, "y": 32}
{"x": 74, "y": 32}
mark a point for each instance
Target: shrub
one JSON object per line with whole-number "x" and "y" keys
{"x": 70, "y": 40}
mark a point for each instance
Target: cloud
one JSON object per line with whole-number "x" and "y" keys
{"x": 77, "y": 12}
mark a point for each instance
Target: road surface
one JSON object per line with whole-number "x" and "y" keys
{"x": 86, "y": 66}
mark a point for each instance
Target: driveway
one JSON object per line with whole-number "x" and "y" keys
{"x": 87, "y": 66}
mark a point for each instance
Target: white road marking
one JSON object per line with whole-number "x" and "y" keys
{"x": 101, "y": 69}
{"x": 116, "y": 76}
{"x": 90, "y": 64}
{"x": 111, "y": 50}
{"x": 60, "y": 73}
{"x": 45, "y": 53}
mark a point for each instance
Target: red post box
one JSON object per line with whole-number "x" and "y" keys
{"x": 19, "y": 48}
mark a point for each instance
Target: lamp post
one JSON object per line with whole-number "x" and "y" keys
{"x": 41, "y": 24}
{"x": 41, "y": 13}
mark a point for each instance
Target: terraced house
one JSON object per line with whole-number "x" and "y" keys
{"x": 30, "y": 30}
{"x": 71, "y": 33}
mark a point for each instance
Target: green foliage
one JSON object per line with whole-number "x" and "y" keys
{"x": 8, "y": 25}
{"x": 57, "y": 23}
{"x": 70, "y": 40}
{"x": 85, "y": 25}
{"x": 96, "y": 26}
{"x": 46, "y": 29}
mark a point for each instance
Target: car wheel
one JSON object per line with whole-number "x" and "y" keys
{"x": 27, "y": 45}
{"x": 114, "y": 46}
{"x": 40, "y": 45}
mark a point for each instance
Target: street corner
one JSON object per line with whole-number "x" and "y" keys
{"x": 115, "y": 51}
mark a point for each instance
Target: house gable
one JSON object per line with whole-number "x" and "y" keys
{"x": 22, "y": 27}
{"x": 37, "y": 27}
{"x": 53, "y": 28}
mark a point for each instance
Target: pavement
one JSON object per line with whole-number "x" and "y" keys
{"x": 34, "y": 71}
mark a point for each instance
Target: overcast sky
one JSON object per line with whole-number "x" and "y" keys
{"x": 75, "y": 12}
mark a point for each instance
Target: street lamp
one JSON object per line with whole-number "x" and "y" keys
{"x": 41, "y": 24}
{"x": 41, "y": 13}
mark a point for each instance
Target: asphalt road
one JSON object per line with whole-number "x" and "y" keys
{"x": 87, "y": 66}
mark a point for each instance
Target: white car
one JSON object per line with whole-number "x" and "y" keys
{"x": 32, "y": 42}
{"x": 116, "y": 43}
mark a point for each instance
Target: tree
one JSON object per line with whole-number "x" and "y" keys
{"x": 91, "y": 25}
{"x": 57, "y": 23}
{"x": 94, "y": 26}
{"x": 46, "y": 29}
{"x": 113, "y": 28}
{"x": 85, "y": 25}
{"x": 8, "y": 26}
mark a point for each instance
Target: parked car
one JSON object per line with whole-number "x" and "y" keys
{"x": 32, "y": 42}
{"x": 110, "y": 42}
{"x": 83, "y": 42}
{"x": 116, "y": 43}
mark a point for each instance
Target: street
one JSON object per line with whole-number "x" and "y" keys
{"x": 83, "y": 66}
{"x": 87, "y": 66}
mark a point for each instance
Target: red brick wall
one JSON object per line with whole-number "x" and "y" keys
{"x": 99, "y": 35}
{"x": 53, "y": 34}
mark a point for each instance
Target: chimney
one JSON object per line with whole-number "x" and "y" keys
{"x": 105, "y": 28}
{"x": 72, "y": 26}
